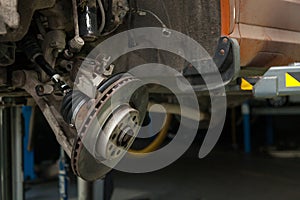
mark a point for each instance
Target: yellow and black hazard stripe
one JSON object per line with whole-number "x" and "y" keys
{"x": 248, "y": 83}
{"x": 292, "y": 79}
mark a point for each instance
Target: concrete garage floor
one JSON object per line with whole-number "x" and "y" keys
{"x": 230, "y": 176}
{"x": 218, "y": 177}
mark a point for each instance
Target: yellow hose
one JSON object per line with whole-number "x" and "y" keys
{"x": 158, "y": 140}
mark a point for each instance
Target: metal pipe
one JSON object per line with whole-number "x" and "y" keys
{"x": 28, "y": 154}
{"x": 75, "y": 17}
{"x": 4, "y": 155}
{"x": 63, "y": 176}
{"x": 16, "y": 133}
{"x": 85, "y": 189}
{"x": 101, "y": 28}
{"x": 90, "y": 190}
{"x": 176, "y": 109}
{"x": 247, "y": 131}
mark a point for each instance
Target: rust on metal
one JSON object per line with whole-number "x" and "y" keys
{"x": 267, "y": 35}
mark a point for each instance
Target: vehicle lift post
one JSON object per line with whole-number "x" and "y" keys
{"x": 11, "y": 173}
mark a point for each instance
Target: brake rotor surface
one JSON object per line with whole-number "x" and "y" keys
{"x": 110, "y": 127}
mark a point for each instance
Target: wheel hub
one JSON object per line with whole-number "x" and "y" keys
{"x": 107, "y": 126}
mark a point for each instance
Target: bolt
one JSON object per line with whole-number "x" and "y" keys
{"x": 222, "y": 52}
{"x": 53, "y": 44}
{"x": 109, "y": 67}
{"x": 40, "y": 89}
{"x": 68, "y": 54}
{"x": 126, "y": 138}
{"x": 225, "y": 40}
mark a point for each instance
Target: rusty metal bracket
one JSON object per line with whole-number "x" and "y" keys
{"x": 226, "y": 58}
{"x": 28, "y": 80}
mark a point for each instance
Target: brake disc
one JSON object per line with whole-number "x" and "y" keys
{"x": 110, "y": 124}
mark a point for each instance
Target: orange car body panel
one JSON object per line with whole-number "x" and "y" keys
{"x": 268, "y": 31}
